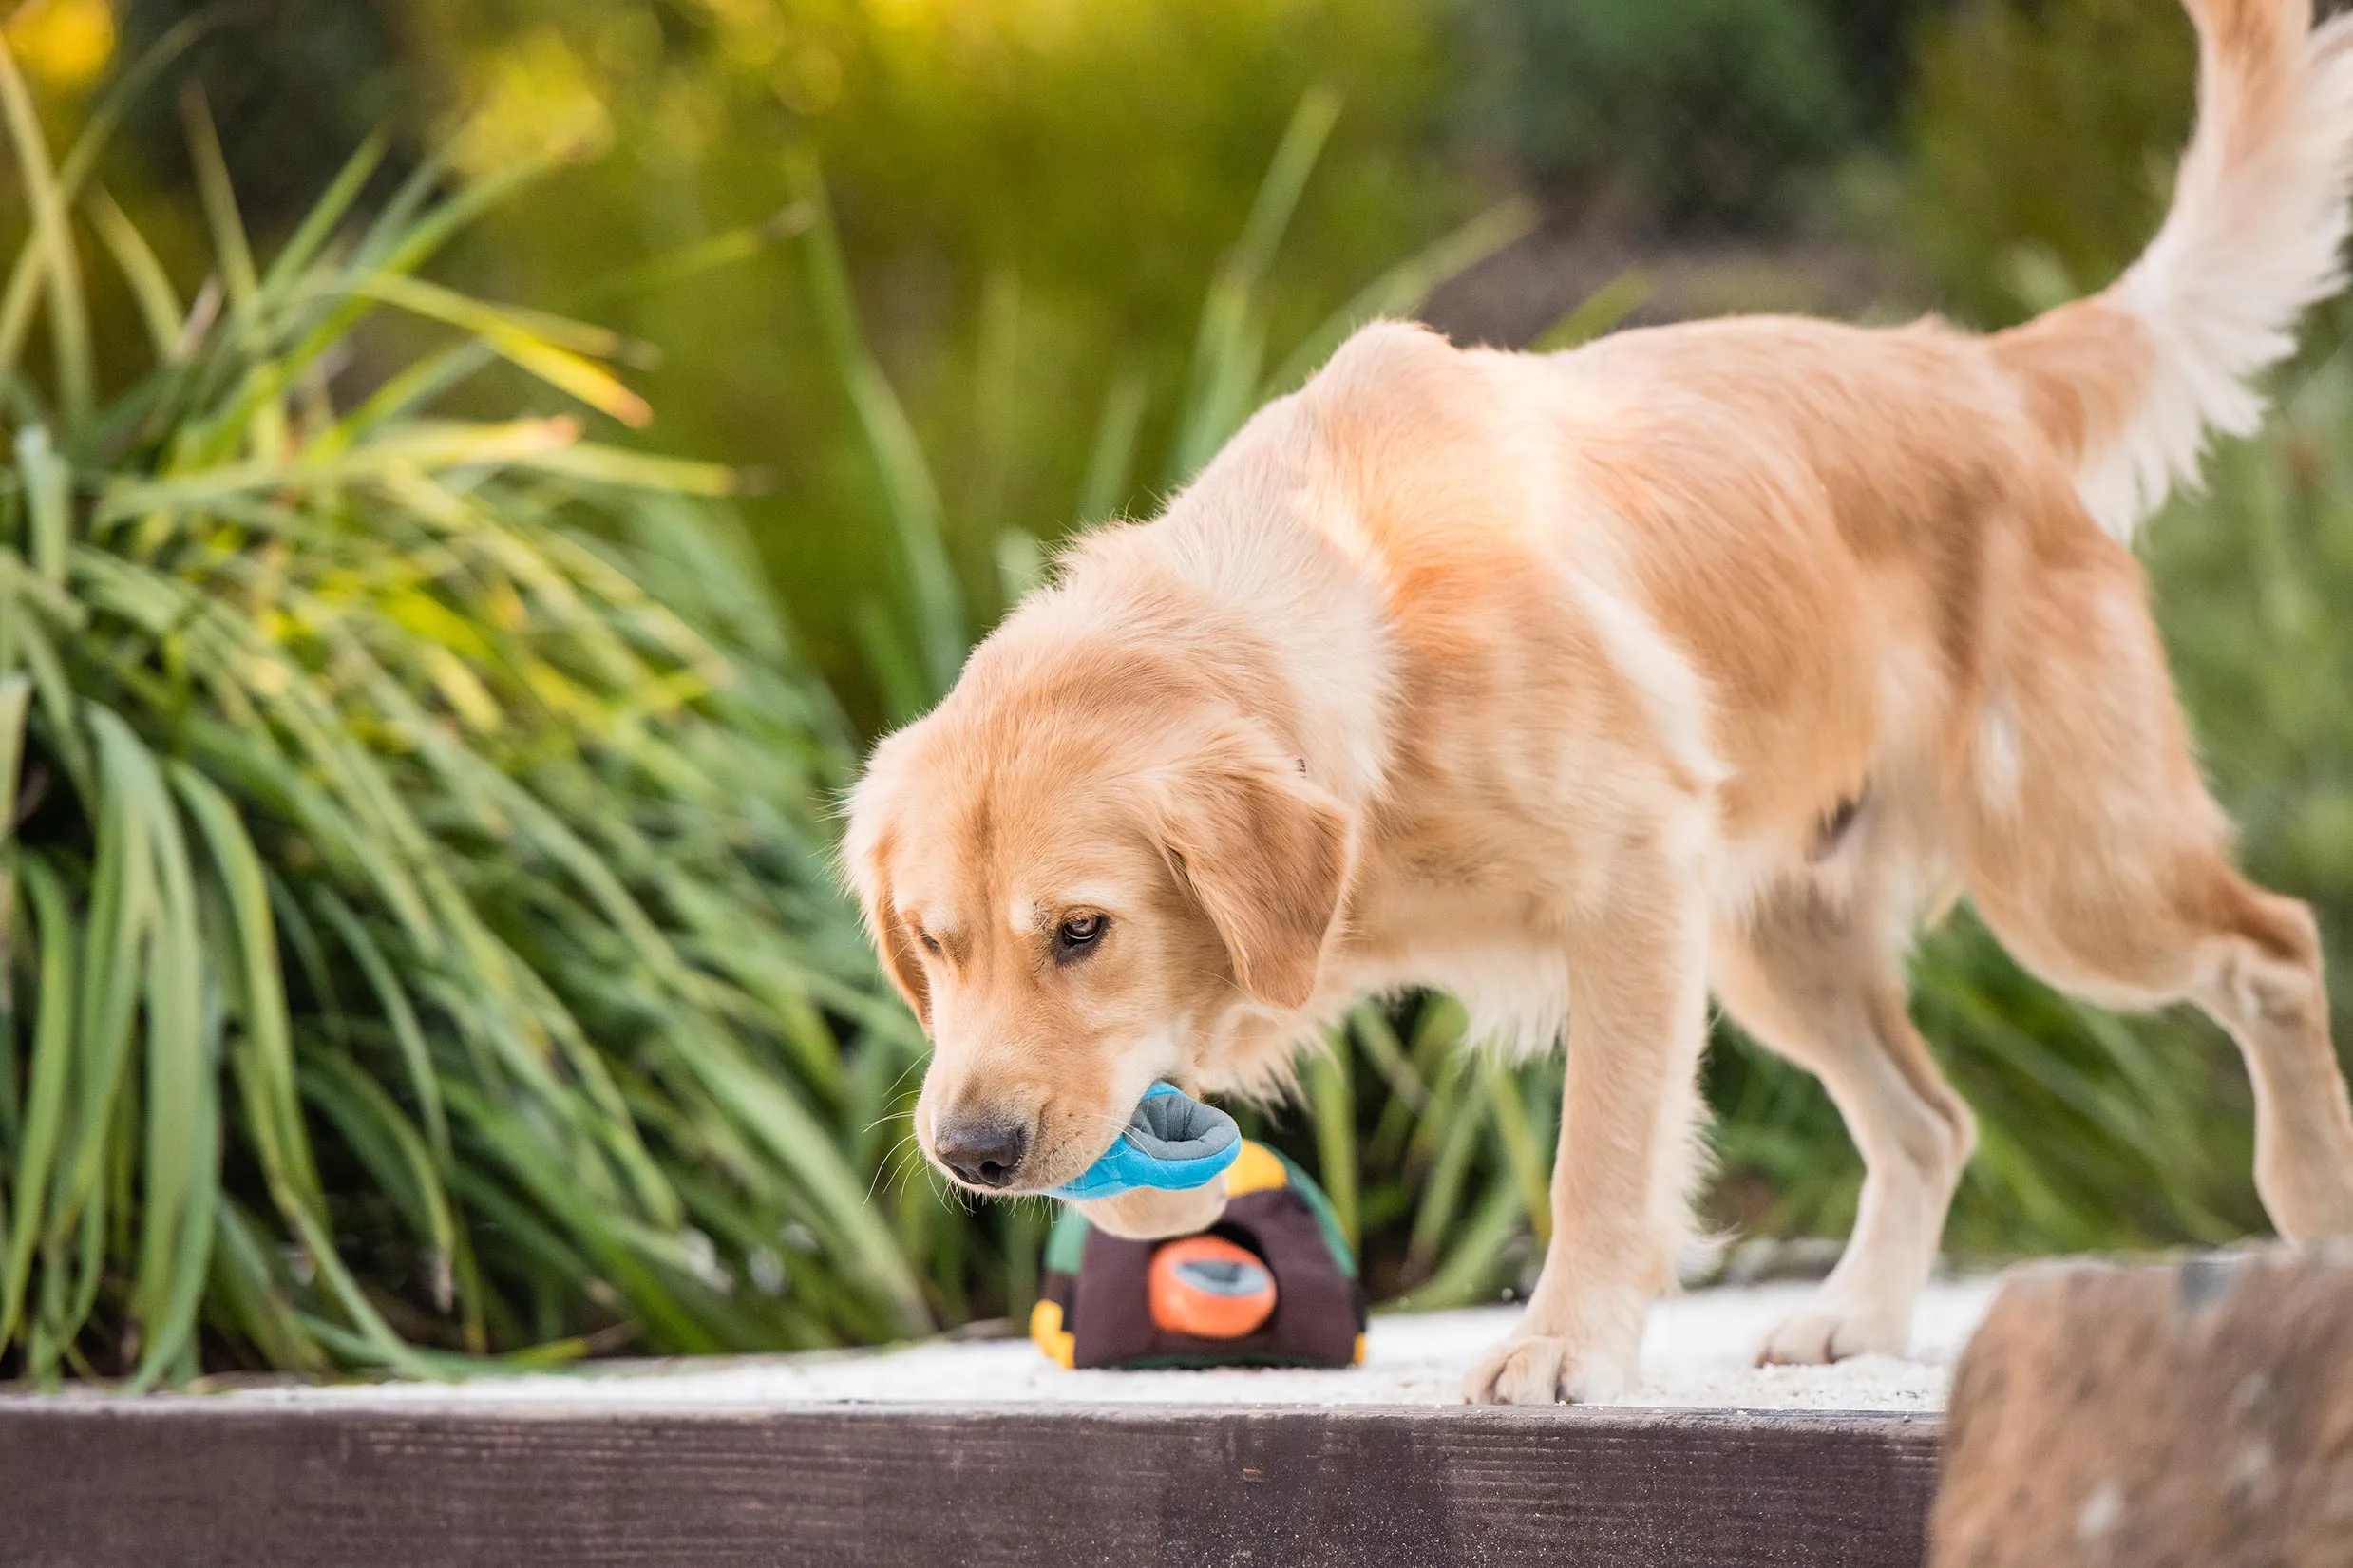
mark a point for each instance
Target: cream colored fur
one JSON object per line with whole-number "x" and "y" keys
{"x": 1715, "y": 656}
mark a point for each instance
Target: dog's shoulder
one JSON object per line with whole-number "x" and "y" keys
{"x": 1378, "y": 355}
{"x": 1395, "y": 398}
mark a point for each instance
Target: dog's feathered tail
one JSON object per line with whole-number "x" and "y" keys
{"x": 2129, "y": 380}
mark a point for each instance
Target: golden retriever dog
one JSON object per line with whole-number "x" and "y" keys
{"x": 1710, "y": 658}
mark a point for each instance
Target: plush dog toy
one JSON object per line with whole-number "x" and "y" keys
{"x": 1272, "y": 1283}
{"x": 1172, "y": 1142}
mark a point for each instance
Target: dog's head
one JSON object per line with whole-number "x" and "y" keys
{"x": 1078, "y": 874}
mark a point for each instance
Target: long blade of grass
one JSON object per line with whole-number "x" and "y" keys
{"x": 1331, "y": 1105}
{"x": 29, "y": 274}
{"x": 1449, "y": 1172}
{"x": 910, "y": 496}
{"x": 1522, "y": 1155}
{"x": 180, "y": 1166}
{"x": 906, "y": 690}
{"x": 246, "y": 1288}
{"x": 48, "y": 1083}
{"x": 416, "y": 1056}
{"x": 403, "y": 394}
{"x": 1285, "y": 180}
{"x": 781, "y": 1124}
{"x": 1404, "y": 288}
{"x": 995, "y": 400}
{"x": 1598, "y": 312}
{"x": 61, "y": 723}
{"x": 262, "y": 419}
{"x": 1380, "y": 1043}
{"x": 530, "y": 346}
{"x": 48, "y": 503}
{"x": 52, "y": 240}
{"x": 15, "y": 711}
{"x": 599, "y": 464}
{"x": 219, "y": 197}
{"x": 262, "y": 986}
{"x": 421, "y": 445}
{"x": 1231, "y": 339}
{"x": 121, "y": 912}
{"x": 1468, "y": 1272}
{"x": 703, "y": 256}
{"x": 1110, "y": 456}
{"x": 318, "y": 224}
{"x": 394, "y": 1152}
{"x": 151, "y": 287}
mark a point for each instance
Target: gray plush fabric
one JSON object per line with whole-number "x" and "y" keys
{"x": 1176, "y": 1126}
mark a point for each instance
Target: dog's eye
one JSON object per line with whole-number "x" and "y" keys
{"x": 931, "y": 943}
{"x": 1079, "y": 933}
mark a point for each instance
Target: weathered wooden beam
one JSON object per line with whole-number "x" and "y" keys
{"x": 190, "y": 1482}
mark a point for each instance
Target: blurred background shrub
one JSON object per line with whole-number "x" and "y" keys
{"x": 2041, "y": 149}
{"x": 1681, "y": 113}
{"x": 934, "y": 281}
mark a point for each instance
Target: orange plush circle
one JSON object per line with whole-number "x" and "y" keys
{"x": 1209, "y": 1288}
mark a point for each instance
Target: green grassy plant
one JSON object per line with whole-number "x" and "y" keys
{"x": 416, "y": 934}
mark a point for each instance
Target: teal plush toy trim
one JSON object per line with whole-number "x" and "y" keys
{"x": 1172, "y": 1142}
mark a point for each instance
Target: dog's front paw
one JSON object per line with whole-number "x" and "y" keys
{"x": 1828, "y": 1333}
{"x": 1545, "y": 1370}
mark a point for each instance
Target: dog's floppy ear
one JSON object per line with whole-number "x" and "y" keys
{"x": 1267, "y": 854}
{"x": 866, "y": 853}
{"x": 897, "y": 945}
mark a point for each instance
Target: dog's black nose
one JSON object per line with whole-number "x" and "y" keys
{"x": 984, "y": 1154}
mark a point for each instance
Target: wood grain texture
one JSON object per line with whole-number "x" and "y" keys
{"x": 190, "y": 1484}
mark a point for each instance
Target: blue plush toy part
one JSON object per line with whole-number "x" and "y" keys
{"x": 1172, "y": 1142}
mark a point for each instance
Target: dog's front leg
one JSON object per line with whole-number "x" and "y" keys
{"x": 1638, "y": 1017}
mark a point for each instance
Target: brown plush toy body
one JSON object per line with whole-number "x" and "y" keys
{"x": 1103, "y": 1303}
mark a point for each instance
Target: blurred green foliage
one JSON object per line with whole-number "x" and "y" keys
{"x": 417, "y": 931}
{"x": 1677, "y": 112}
{"x": 2042, "y": 141}
{"x": 1036, "y": 196}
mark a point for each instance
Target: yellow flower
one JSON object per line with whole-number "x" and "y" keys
{"x": 64, "y": 43}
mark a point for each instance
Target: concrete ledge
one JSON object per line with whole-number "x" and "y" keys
{"x": 1700, "y": 1352}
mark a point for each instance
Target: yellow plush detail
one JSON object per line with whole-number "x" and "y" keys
{"x": 1358, "y": 1357}
{"x": 1255, "y": 1169}
{"x": 1060, "y": 1348}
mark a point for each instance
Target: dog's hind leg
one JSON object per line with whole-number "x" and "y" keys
{"x": 2099, "y": 860}
{"x": 1818, "y": 980}
{"x": 2192, "y": 928}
